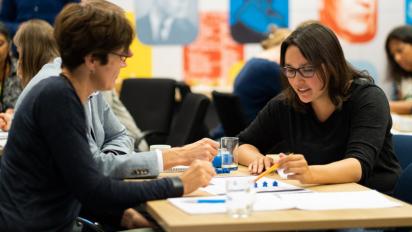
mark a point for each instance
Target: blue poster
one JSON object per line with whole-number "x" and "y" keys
{"x": 166, "y": 22}
{"x": 408, "y": 12}
{"x": 250, "y": 20}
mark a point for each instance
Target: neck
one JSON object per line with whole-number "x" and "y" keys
{"x": 80, "y": 79}
{"x": 323, "y": 108}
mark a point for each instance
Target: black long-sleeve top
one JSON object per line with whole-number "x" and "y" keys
{"x": 361, "y": 130}
{"x": 47, "y": 169}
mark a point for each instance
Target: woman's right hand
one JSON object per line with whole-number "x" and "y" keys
{"x": 5, "y": 121}
{"x": 260, "y": 164}
{"x": 198, "y": 175}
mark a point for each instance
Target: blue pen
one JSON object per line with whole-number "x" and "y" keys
{"x": 210, "y": 201}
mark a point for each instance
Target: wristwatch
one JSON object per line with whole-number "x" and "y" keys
{"x": 177, "y": 184}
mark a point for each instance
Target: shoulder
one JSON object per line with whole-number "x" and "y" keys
{"x": 55, "y": 89}
{"x": 278, "y": 104}
{"x": 362, "y": 89}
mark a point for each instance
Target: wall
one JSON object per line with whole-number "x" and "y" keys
{"x": 212, "y": 57}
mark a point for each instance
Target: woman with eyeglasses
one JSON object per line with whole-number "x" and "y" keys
{"x": 330, "y": 118}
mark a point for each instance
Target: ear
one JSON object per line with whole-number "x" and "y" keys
{"x": 90, "y": 62}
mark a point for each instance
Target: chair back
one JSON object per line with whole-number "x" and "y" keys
{"x": 151, "y": 102}
{"x": 403, "y": 189}
{"x": 230, "y": 112}
{"x": 188, "y": 125}
{"x": 403, "y": 149}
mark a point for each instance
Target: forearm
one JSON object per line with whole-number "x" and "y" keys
{"x": 401, "y": 107}
{"x": 343, "y": 171}
{"x": 248, "y": 153}
{"x": 172, "y": 158}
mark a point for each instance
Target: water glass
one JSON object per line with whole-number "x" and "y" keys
{"x": 240, "y": 197}
{"x": 229, "y": 157}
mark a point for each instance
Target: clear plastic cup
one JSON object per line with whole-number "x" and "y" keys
{"x": 240, "y": 197}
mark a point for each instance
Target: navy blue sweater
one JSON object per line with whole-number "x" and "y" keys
{"x": 47, "y": 169}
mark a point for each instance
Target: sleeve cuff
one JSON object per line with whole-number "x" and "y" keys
{"x": 159, "y": 159}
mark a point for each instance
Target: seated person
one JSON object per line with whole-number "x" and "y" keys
{"x": 325, "y": 117}
{"x": 259, "y": 79}
{"x": 398, "y": 47}
{"x": 9, "y": 82}
{"x": 110, "y": 145}
{"x": 47, "y": 169}
{"x": 125, "y": 119}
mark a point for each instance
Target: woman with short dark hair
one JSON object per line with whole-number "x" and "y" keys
{"x": 47, "y": 168}
{"x": 331, "y": 119}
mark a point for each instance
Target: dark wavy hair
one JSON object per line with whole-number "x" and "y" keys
{"x": 404, "y": 34}
{"x": 321, "y": 48}
{"x": 4, "y": 31}
{"x": 94, "y": 27}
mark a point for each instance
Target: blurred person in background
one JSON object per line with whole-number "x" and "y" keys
{"x": 398, "y": 47}
{"x": 9, "y": 82}
{"x": 14, "y": 12}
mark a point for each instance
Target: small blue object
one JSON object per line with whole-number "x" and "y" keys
{"x": 265, "y": 184}
{"x": 256, "y": 185}
{"x": 222, "y": 170}
{"x": 217, "y": 161}
{"x": 275, "y": 183}
{"x": 211, "y": 201}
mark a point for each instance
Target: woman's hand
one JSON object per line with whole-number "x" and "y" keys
{"x": 260, "y": 164}
{"x": 296, "y": 167}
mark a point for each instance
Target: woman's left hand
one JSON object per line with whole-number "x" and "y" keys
{"x": 297, "y": 167}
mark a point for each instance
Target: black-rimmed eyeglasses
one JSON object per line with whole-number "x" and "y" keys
{"x": 123, "y": 57}
{"x": 306, "y": 71}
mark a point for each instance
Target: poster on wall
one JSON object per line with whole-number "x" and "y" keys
{"x": 354, "y": 21}
{"x": 210, "y": 58}
{"x": 250, "y": 20}
{"x": 408, "y": 12}
{"x": 166, "y": 22}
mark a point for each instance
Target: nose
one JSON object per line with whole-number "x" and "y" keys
{"x": 397, "y": 57}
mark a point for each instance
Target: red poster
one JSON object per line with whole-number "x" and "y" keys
{"x": 208, "y": 60}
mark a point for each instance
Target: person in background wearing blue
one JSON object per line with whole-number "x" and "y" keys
{"x": 47, "y": 169}
{"x": 259, "y": 80}
{"x": 398, "y": 47}
{"x": 14, "y": 12}
{"x": 325, "y": 116}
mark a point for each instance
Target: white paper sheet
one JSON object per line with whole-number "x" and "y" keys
{"x": 340, "y": 200}
{"x": 304, "y": 201}
{"x": 262, "y": 203}
{"x": 218, "y": 184}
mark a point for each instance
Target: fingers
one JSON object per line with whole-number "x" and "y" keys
{"x": 198, "y": 175}
{"x": 268, "y": 162}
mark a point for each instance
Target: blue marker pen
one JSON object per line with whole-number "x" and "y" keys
{"x": 213, "y": 201}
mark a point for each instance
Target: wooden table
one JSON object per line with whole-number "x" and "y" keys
{"x": 173, "y": 219}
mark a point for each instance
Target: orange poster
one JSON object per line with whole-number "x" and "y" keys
{"x": 354, "y": 21}
{"x": 209, "y": 60}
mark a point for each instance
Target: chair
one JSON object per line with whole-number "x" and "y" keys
{"x": 230, "y": 112}
{"x": 151, "y": 103}
{"x": 403, "y": 189}
{"x": 188, "y": 125}
{"x": 403, "y": 149}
